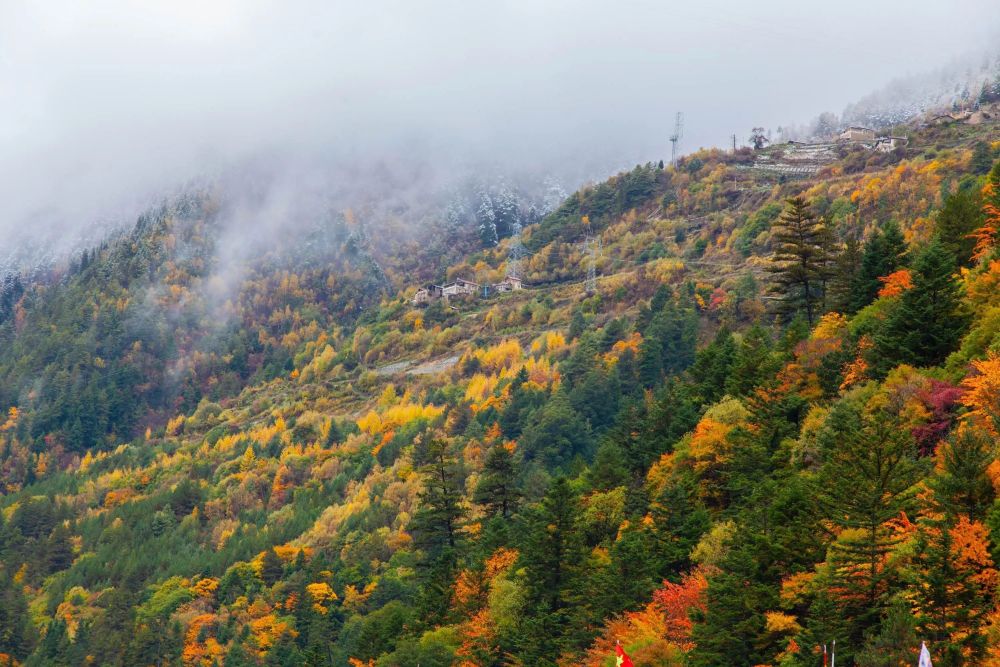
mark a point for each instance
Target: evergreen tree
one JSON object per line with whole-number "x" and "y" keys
{"x": 16, "y": 632}
{"x": 59, "y": 551}
{"x": 925, "y": 325}
{"x": 778, "y": 534}
{"x": 609, "y": 469}
{"x": 679, "y": 519}
{"x": 436, "y": 527}
{"x": 962, "y": 485}
{"x": 497, "y": 490}
{"x": 884, "y": 252}
{"x": 557, "y": 434}
{"x": 669, "y": 340}
{"x": 868, "y": 478}
{"x": 271, "y": 567}
{"x": 674, "y": 413}
{"x": 553, "y": 557}
{"x": 753, "y": 364}
{"x": 952, "y": 586}
{"x": 846, "y": 269}
{"x": 982, "y": 158}
{"x": 959, "y": 217}
{"x": 895, "y": 642}
{"x": 802, "y": 259}
{"x": 713, "y": 366}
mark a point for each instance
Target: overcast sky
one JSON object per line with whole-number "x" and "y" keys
{"x": 103, "y": 103}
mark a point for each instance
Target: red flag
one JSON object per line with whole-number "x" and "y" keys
{"x": 623, "y": 659}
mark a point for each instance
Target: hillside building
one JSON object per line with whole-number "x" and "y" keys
{"x": 508, "y": 284}
{"x": 889, "y": 144}
{"x": 460, "y": 287}
{"x": 425, "y": 295}
{"x": 858, "y": 134}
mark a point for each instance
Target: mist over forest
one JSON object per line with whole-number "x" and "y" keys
{"x": 559, "y": 333}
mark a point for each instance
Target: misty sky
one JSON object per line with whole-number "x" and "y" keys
{"x": 104, "y": 103}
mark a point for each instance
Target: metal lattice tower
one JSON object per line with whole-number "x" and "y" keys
{"x": 591, "y": 248}
{"x": 675, "y": 138}
{"x": 516, "y": 254}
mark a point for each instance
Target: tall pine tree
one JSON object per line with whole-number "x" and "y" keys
{"x": 802, "y": 259}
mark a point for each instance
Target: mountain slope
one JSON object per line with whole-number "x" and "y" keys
{"x": 300, "y": 467}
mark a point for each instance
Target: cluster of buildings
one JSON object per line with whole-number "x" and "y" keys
{"x": 867, "y": 136}
{"x": 462, "y": 287}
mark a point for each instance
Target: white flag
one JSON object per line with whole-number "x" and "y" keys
{"x": 925, "y": 656}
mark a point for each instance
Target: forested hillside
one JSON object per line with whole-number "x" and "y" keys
{"x": 772, "y": 424}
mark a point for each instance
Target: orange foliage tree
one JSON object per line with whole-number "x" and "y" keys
{"x": 658, "y": 634}
{"x": 986, "y": 236}
{"x": 982, "y": 396}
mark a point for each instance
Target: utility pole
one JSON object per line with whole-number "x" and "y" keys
{"x": 675, "y": 138}
{"x": 734, "y": 144}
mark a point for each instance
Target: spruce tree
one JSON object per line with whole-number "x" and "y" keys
{"x": 982, "y": 158}
{"x": 926, "y": 323}
{"x": 846, "y": 269}
{"x": 609, "y": 469}
{"x": 959, "y": 217}
{"x": 497, "y": 490}
{"x": 271, "y": 567}
{"x": 868, "y": 479}
{"x": 754, "y": 364}
{"x": 436, "y": 528}
{"x": 952, "y": 585}
{"x": 962, "y": 484}
{"x": 802, "y": 259}
{"x": 554, "y": 555}
{"x": 778, "y": 533}
{"x": 884, "y": 252}
{"x": 59, "y": 551}
{"x": 16, "y": 630}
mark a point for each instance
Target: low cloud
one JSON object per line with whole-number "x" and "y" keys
{"x": 109, "y": 106}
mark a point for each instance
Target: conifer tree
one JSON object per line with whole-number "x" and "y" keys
{"x": 778, "y": 533}
{"x": 959, "y": 217}
{"x": 712, "y": 366}
{"x": 884, "y": 252}
{"x": 754, "y": 363}
{"x": 953, "y": 584}
{"x": 869, "y": 477}
{"x": 609, "y": 469}
{"x": 982, "y": 158}
{"x": 497, "y": 490}
{"x": 553, "y": 556}
{"x": 271, "y": 567}
{"x": 802, "y": 259}
{"x": 894, "y": 643}
{"x": 962, "y": 484}
{"x": 925, "y": 325}
{"x": 846, "y": 269}
{"x": 16, "y": 632}
{"x": 59, "y": 552}
{"x": 436, "y": 528}
{"x": 438, "y": 520}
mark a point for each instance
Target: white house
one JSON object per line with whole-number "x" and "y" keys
{"x": 508, "y": 284}
{"x": 460, "y": 287}
{"x": 889, "y": 144}
{"x": 427, "y": 294}
{"x": 858, "y": 134}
